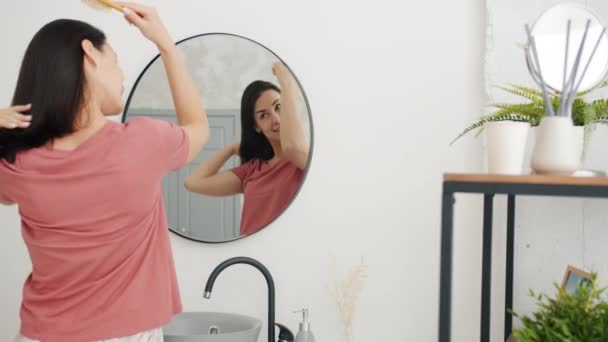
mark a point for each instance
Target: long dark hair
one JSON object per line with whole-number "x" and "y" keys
{"x": 52, "y": 80}
{"x": 254, "y": 145}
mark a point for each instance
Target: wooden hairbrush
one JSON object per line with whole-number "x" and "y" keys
{"x": 104, "y": 5}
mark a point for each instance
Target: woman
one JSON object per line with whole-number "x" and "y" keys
{"x": 89, "y": 189}
{"x": 273, "y": 151}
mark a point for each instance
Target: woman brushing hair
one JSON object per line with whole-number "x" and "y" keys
{"x": 89, "y": 189}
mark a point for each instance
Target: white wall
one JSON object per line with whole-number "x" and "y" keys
{"x": 550, "y": 232}
{"x": 390, "y": 83}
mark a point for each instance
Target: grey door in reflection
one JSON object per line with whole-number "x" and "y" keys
{"x": 211, "y": 219}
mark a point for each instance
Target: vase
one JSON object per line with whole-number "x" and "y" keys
{"x": 558, "y": 146}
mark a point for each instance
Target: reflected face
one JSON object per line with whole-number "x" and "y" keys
{"x": 267, "y": 115}
{"x": 106, "y": 81}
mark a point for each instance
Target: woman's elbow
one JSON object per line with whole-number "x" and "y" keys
{"x": 189, "y": 184}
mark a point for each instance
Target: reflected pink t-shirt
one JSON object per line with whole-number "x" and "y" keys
{"x": 267, "y": 190}
{"x": 94, "y": 224}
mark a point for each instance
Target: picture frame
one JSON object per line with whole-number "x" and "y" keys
{"x": 573, "y": 277}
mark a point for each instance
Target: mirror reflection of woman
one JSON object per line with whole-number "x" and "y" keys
{"x": 273, "y": 152}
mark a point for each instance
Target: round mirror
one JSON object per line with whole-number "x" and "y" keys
{"x": 251, "y": 116}
{"x": 557, "y": 50}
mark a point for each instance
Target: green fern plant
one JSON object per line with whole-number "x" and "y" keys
{"x": 579, "y": 317}
{"x": 587, "y": 114}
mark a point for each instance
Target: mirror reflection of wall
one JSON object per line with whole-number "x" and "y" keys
{"x": 506, "y": 40}
{"x": 559, "y": 33}
{"x": 223, "y": 66}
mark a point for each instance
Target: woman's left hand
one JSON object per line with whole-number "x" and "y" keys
{"x": 12, "y": 118}
{"x": 283, "y": 74}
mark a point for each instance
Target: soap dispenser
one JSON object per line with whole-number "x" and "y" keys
{"x": 304, "y": 333}
{"x": 285, "y": 335}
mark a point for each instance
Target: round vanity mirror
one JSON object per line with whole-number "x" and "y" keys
{"x": 260, "y": 137}
{"x": 557, "y": 50}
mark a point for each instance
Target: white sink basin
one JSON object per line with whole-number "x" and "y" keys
{"x": 212, "y": 327}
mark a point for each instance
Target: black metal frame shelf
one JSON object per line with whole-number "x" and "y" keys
{"x": 489, "y": 186}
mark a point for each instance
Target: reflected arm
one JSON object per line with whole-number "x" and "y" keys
{"x": 293, "y": 142}
{"x": 207, "y": 179}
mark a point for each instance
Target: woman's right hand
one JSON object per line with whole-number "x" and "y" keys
{"x": 148, "y": 22}
{"x": 12, "y": 117}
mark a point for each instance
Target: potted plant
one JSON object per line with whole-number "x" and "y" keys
{"x": 569, "y": 317}
{"x": 507, "y": 125}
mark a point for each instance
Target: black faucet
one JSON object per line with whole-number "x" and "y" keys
{"x": 269, "y": 281}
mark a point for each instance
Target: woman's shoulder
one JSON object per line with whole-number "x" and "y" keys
{"x": 250, "y": 166}
{"x": 262, "y": 165}
{"x": 139, "y": 122}
{"x": 287, "y": 163}
{"x": 142, "y": 126}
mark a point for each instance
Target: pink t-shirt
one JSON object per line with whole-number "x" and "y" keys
{"x": 94, "y": 224}
{"x": 267, "y": 190}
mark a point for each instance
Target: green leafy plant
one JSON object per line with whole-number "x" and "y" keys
{"x": 579, "y": 317}
{"x": 587, "y": 114}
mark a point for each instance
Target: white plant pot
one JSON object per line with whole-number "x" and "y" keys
{"x": 558, "y": 146}
{"x": 506, "y": 146}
